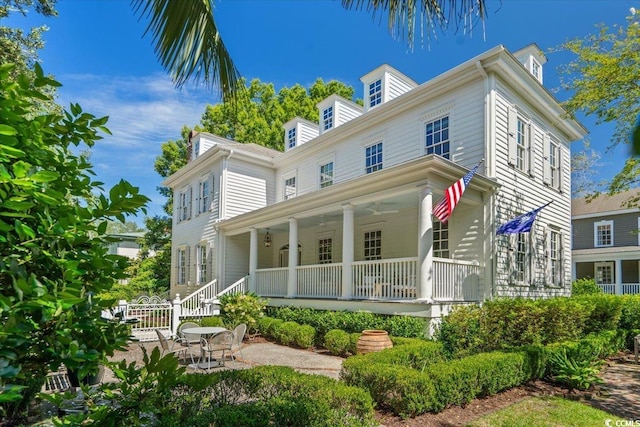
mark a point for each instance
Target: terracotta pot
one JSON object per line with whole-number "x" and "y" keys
{"x": 373, "y": 340}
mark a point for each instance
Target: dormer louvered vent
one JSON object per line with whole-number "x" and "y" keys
{"x": 533, "y": 59}
{"x": 383, "y": 84}
{"x": 297, "y": 131}
{"x": 335, "y": 111}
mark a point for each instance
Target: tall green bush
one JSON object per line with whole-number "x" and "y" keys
{"x": 54, "y": 259}
{"x": 586, "y": 286}
{"x": 240, "y": 308}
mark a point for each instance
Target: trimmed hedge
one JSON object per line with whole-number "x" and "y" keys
{"x": 267, "y": 396}
{"x": 415, "y": 378}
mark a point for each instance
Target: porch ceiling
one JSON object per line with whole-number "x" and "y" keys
{"x": 376, "y": 195}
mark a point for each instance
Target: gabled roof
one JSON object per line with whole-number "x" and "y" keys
{"x": 604, "y": 203}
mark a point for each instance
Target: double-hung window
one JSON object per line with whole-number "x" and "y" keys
{"x": 290, "y": 188}
{"x": 521, "y": 144}
{"x": 603, "y": 233}
{"x": 372, "y": 245}
{"x": 325, "y": 250}
{"x": 552, "y": 163}
{"x": 520, "y": 254}
{"x": 555, "y": 259}
{"x": 437, "y": 137}
{"x": 182, "y": 266}
{"x": 327, "y": 118}
{"x": 373, "y": 157}
{"x": 202, "y": 263}
{"x": 203, "y": 195}
{"x": 326, "y": 175}
{"x": 375, "y": 93}
{"x": 184, "y": 208}
{"x": 440, "y": 239}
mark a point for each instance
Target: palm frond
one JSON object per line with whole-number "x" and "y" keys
{"x": 402, "y": 15}
{"x": 188, "y": 44}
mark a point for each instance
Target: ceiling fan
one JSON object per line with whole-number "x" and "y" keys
{"x": 324, "y": 223}
{"x": 376, "y": 210}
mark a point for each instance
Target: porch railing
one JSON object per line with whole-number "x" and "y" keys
{"x": 608, "y": 288}
{"x": 630, "y": 288}
{"x": 625, "y": 288}
{"x": 385, "y": 278}
{"x": 272, "y": 282}
{"x": 199, "y": 303}
{"x": 319, "y": 281}
{"x": 455, "y": 280}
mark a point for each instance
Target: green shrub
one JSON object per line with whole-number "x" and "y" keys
{"x": 211, "y": 321}
{"x": 337, "y": 342}
{"x": 580, "y": 374}
{"x": 459, "y": 331}
{"x": 630, "y": 317}
{"x": 586, "y": 286}
{"x": 285, "y": 332}
{"x": 353, "y": 342}
{"x": 604, "y": 311}
{"x": 239, "y": 308}
{"x": 305, "y": 336}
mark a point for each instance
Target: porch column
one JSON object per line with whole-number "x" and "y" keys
{"x": 253, "y": 259}
{"x": 347, "y": 251}
{"x": 618, "y": 277}
{"x": 293, "y": 257}
{"x": 425, "y": 245}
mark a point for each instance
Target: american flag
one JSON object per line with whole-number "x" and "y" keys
{"x": 452, "y": 196}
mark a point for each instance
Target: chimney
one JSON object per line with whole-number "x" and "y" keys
{"x": 189, "y": 145}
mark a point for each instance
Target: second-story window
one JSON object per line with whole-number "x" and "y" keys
{"x": 554, "y": 166}
{"x": 181, "y": 265}
{"x": 290, "y": 188}
{"x": 603, "y": 233}
{"x": 375, "y": 93}
{"x": 327, "y": 118}
{"x": 291, "y": 138}
{"x": 373, "y": 245}
{"x": 203, "y": 196}
{"x": 184, "y": 208}
{"x": 373, "y": 157}
{"x": 326, "y": 175}
{"x": 521, "y": 145}
{"x": 437, "y": 137}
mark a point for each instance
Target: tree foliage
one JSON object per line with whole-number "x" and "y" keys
{"x": 258, "y": 113}
{"x": 53, "y": 256}
{"x": 604, "y": 81}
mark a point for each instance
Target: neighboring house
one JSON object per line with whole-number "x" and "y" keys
{"x": 125, "y": 244}
{"x": 606, "y": 243}
{"x": 342, "y": 218}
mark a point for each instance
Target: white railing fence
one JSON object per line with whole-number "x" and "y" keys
{"x": 630, "y": 288}
{"x": 385, "y": 279}
{"x": 608, "y": 288}
{"x": 319, "y": 281}
{"x": 199, "y": 303}
{"x": 238, "y": 287}
{"x": 455, "y": 280}
{"x": 272, "y": 282}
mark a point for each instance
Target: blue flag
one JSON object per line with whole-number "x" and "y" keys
{"x": 521, "y": 223}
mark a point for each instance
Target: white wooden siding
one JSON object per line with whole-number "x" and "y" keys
{"x": 236, "y": 258}
{"x": 306, "y": 132}
{"x": 248, "y": 187}
{"x": 395, "y": 86}
{"x": 344, "y": 113}
{"x": 522, "y": 192}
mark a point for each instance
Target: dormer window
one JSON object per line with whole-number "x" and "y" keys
{"x": 291, "y": 138}
{"x": 375, "y": 93}
{"x": 196, "y": 149}
{"x": 535, "y": 68}
{"x": 327, "y": 118}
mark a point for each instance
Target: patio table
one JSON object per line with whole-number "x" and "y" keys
{"x": 204, "y": 332}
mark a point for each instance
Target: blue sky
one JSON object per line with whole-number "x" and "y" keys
{"x": 96, "y": 50}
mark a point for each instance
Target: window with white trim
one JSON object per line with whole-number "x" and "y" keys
{"x": 290, "y": 188}
{"x": 603, "y": 233}
{"x": 181, "y": 266}
{"x": 196, "y": 149}
{"x": 184, "y": 206}
{"x": 203, "y": 195}
{"x": 375, "y": 93}
{"x": 520, "y": 255}
{"x": 202, "y": 263}
{"x": 555, "y": 258}
{"x": 327, "y": 118}
{"x": 522, "y": 140}
{"x": 373, "y": 157}
{"x": 372, "y": 245}
{"x": 325, "y": 250}
{"x": 440, "y": 239}
{"x": 326, "y": 175}
{"x": 437, "y": 137}
{"x": 535, "y": 68}
{"x": 291, "y": 138}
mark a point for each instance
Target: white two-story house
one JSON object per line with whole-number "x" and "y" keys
{"x": 342, "y": 218}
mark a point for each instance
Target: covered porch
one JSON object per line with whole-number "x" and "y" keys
{"x": 372, "y": 239}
